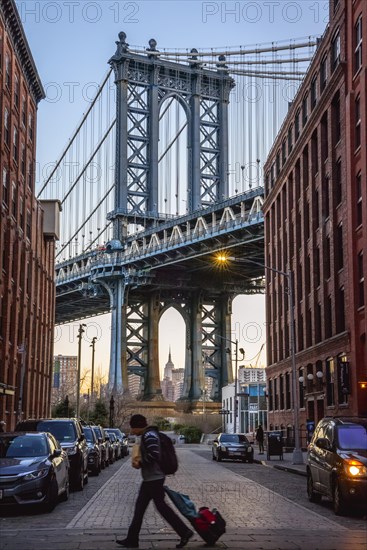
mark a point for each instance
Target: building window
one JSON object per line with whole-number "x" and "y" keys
{"x": 290, "y": 140}
{"x": 304, "y": 110}
{"x": 15, "y": 144}
{"x": 330, "y": 368}
{"x": 296, "y": 125}
{"x": 317, "y": 266}
{"x": 343, "y": 379}
{"x": 328, "y": 319}
{"x": 21, "y": 214}
{"x": 5, "y": 186}
{"x": 313, "y": 92}
{"x": 338, "y": 182}
{"x": 28, "y": 228}
{"x": 360, "y": 280}
{"x": 357, "y": 115}
{"x": 16, "y": 91}
{"x": 30, "y": 126}
{"x": 340, "y": 311}
{"x": 323, "y": 73}
{"x": 358, "y": 44}
{"x": 7, "y": 71}
{"x": 316, "y": 216}
{"x": 339, "y": 252}
{"x": 23, "y": 160}
{"x": 327, "y": 258}
{"x": 317, "y": 323}
{"x": 277, "y": 164}
{"x": 335, "y": 51}
{"x": 24, "y": 112}
{"x": 14, "y": 200}
{"x": 281, "y": 392}
{"x": 300, "y": 333}
{"x": 284, "y": 152}
{"x": 359, "y": 213}
{"x": 301, "y": 388}
{"x": 314, "y": 154}
{"x": 30, "y": 175}
{"x": 7, "y": 127}
{"x": 335, "y": 107}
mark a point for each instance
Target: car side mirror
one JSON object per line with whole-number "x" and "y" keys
{"x": 57, "y": 453}
{"x": 100, "y": 440}
{"x": 323, "y": 443}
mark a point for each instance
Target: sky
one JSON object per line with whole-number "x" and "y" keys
{"x": 71, "y": 42}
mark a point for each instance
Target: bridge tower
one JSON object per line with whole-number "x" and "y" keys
{"x": 144, "y": 84}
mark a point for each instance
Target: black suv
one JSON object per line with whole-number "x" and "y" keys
{"x": 337, "y": 463}
{"x": 69, "y": 433}
{"x": 94, "y": 453}
{"x": 104, "y": 445}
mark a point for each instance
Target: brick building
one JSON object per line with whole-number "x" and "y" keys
{"x": 64, "y": 379}
{"x": 316, "y": 227}
{"x": 28, "y": 229}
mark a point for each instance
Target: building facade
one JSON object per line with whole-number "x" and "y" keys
{"x": 251, "y": 402}
{"x": 315, "y": 229}
{"x": 64, "y": 379}
{"x": 28, "y": 229}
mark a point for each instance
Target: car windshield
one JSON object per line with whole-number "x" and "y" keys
{"x": 233, "y": 438}
{"x": 98, "y": 433}
{"x": 23, "y": 446}
{"x": 64, "y": 431}
{"x": 352, "y": 438}
{"x": 88, "y": 432}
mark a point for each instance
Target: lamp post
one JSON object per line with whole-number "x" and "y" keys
{"x": 80, "y": 332}
{"x": 297, "y": 457}
{"x": 92, "y": 345}
{"x": 112, "y": 411}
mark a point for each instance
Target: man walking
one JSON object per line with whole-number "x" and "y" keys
{"x": 260, "y": 439}
{"x": 152, "y": 486}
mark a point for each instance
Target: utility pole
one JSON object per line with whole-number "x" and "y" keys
{"x": 235, "y": 389}
{"x": 80, "y": 332}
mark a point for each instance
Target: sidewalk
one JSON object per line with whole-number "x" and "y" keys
{"x": 286, "y": 464}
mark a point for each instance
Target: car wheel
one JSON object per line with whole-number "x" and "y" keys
{"x": 86, "y": 478}
{"x": 312, "y": 496}
{"x": 52, "y": 496}
{"x": 79, "y": 485}
{"x": 338, "y": 501}
{"x": 65, "y": 495}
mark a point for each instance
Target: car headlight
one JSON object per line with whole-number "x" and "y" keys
{"x": 355, "y": 468}
{"x": 71, "y": 450}
{"x": 37, "y": 474}
{"x": 249, "y": 449}
{"x": 223, "y": 448}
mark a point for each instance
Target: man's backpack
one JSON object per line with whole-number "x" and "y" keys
{"x": 168, "y": 461}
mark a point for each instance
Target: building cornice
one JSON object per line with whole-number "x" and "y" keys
{"x": 15, "y": 29}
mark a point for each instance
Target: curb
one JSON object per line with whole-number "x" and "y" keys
{"x": 290, "y": 469}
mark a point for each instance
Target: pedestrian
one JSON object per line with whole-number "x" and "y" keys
{"x": 151, "y": 487}
{"x": 260, "y": 439}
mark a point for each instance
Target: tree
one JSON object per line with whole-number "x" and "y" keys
{"x": 100, "y": 413}
{"x": 63, "y": 409}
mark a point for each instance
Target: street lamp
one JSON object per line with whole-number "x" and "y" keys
{"x": 92, "y": 345}
{"x": 80, "y": 332}
{"x": 297, "y": 457}
{"x": 235, "y": 404}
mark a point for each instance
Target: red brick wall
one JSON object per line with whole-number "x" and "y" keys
{"x": 26, "y": 257}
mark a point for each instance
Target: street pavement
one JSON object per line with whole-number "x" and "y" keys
{"x": 253, "y": 498}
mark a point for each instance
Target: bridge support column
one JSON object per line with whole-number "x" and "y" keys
{"x": 225, "y": 314}
{"x": 197, "y": 367}
{"x": 116, "y": 291}
{"x": 194, "y": 147}
{"x": 152, "y": 389}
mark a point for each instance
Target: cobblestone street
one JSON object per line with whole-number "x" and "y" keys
{"x": 259, "y": 504}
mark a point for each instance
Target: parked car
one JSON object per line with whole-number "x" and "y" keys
{"x": 115, "y": 445}
{"x": 111, "y": 447}
{"x": 69, "y": 433}
{"x": 232, "y": 446}
{"x": 94, "y": 452}
{"x": 124, "y": 442}
{"x": 103, "y": 444}
{"x": 34, "y": 469}
{"x": 337, "y": 463}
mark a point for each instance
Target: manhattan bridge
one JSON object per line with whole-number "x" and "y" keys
{"x": 163, "y": 172}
